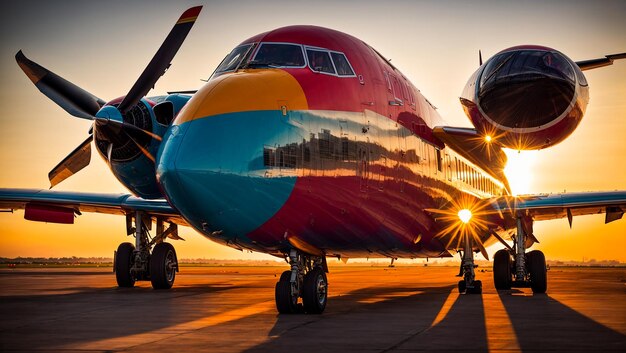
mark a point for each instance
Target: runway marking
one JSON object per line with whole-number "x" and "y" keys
{"x": 175, "y": 330}
{"x": 445, "y": 309}
{"x": 499, "y": 329}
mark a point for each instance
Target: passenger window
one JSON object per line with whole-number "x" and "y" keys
{"x": 278, "y": 55}
{"x": 232, "y": 60}
{"x": 342, "y": 64}
{"x": 320, "y": 61}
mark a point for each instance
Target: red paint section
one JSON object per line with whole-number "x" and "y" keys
{"x": 378, "y": 86}
{"x": 49, "y": 214}
{"x": 190, "y": 13}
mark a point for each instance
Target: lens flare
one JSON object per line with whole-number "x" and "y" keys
{"x": 465, "y": 215}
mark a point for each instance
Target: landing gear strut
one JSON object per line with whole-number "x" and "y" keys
{"x": 306, "y": 280}
{"x": 469, "y": 284}
{"x": 526, "y": 270}
{"x": 138, "y": 263}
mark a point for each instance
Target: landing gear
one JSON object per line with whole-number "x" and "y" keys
{"x": 530, "y": 268}
{"x": 306, "y": 280}
{"x": 469, "y": 284}
{"x": 138, "y": 263}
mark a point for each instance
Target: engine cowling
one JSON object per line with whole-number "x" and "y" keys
{"x": 526, "y": 97}
{"x": 131, "y": 155}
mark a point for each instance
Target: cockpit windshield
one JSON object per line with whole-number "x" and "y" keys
{"x": 278, "y": 55}
{"x": 234, "y": 59}
{"x": 507, "y": 65}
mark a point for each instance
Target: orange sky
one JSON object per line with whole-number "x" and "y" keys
{"x": 103, "y": 47}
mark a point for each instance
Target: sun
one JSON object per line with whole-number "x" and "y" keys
{"x": 519, "y": 170}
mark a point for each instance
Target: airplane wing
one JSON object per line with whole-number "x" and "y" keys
{"x": 554, "y": 206}
{"x": 63, "y": 205}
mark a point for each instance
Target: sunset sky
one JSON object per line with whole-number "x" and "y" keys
{"x": 103, "y": 46}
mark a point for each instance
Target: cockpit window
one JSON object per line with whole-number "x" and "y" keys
{"x": 320, "y": 61}
{"x": 232, "y": 60}
{"x": 341, "y": 64}
{"x": 278, "y": 55}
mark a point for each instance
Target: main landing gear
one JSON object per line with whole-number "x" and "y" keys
{"x": 524, "y": 270}
{"x": 137, "y": 263}
{"x": 306, "y": 280}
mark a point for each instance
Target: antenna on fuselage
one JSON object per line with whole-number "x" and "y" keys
{"x": 480, "y": 58}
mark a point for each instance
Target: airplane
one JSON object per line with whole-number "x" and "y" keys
{"x": 306, "y": 143}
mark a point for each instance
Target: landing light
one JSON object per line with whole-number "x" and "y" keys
{"x": 488, "y": 138}
{"x": 465, "y": 215}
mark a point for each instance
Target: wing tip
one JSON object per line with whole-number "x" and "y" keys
{"x": 190, "y": 15}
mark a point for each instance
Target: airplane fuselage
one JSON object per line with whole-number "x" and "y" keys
{"x": 337, "y": 158}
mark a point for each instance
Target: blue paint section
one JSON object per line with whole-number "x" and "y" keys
{"x": 212, "y": 169}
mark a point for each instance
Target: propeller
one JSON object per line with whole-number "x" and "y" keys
{"x": 109, "y": 123}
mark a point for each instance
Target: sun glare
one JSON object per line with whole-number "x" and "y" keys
{"x": 465, "y": 215}
{"x": 519, "y": 170}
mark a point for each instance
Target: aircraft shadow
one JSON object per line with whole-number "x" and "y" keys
{"x": 541, "y": 322}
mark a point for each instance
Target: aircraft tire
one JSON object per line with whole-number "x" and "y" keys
{"x": 123, "y": 261}
{"x": 285, "y": 276}
{"x": 502, "y": 270}
{"x": 536, "y": 262}
{"x": 315, "y": 291}
{"x": 462, "y": 286}
{"x": 285, "y": 302}
{"x": 163, "y": 266}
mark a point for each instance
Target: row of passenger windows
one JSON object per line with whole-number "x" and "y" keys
{"x": 287, "y": 55}
{"x": 472, "y": 177}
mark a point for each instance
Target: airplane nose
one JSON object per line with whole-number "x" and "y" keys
{"x": 211, "y": 165}
{"x": 527, "y": 89}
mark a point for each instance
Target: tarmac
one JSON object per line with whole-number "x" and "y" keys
{"x": 370, "y": 309}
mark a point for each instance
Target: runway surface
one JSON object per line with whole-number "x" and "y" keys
{"x": 371, "y": 309}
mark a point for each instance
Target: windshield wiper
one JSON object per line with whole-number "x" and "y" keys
{"x": 257, "y": 64}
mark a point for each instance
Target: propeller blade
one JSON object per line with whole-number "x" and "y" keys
{"x": 67, "y": 95}
{"x": 161, "y": 60}
{"x": 122, "y": 125}
{"x": 72, "y": 164}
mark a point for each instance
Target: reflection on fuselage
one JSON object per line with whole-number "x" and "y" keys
{"x": 365, "y": 179}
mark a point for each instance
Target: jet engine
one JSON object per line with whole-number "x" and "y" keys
{"x": 526, "y": 97}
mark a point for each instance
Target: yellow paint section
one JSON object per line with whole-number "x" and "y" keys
{"x": 247, "y": 90}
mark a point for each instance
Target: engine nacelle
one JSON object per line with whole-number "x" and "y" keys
{"x": 526, "y": 97}
{"x": 131, "y": 155}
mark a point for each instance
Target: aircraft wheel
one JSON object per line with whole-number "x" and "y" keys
{"x": 285, "y": 276}
{"x": 123, "y": 263}
{"x": 285, "y": 302}
{"x": 502, "y": 270}
{"x": 163, "y": 266}
{"x": 536, "y": 262}
{"x": 315, "y": 291}
{"x": 477, "y": 289}
{"x": 462, "y": 286}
